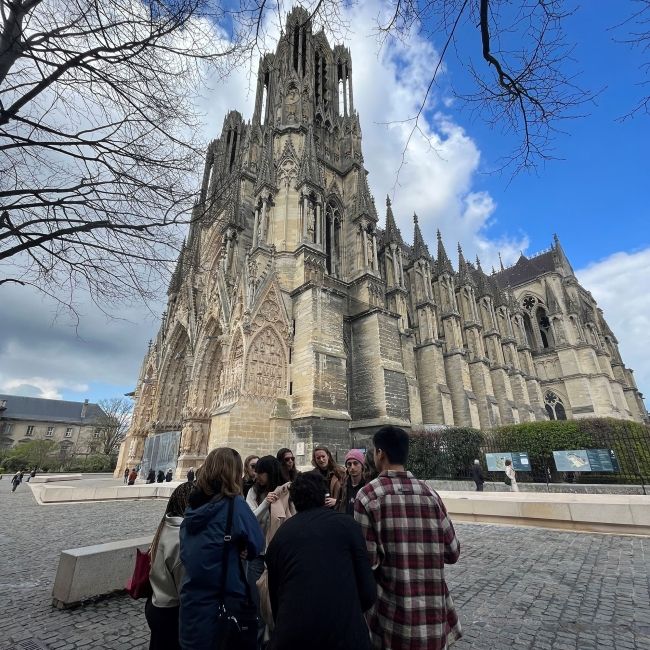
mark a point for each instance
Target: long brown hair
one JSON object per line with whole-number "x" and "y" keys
{"x": 332, "y": 467}
{"x": 221, "y": 473}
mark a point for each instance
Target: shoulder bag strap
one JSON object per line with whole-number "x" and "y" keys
{"x": 227, "y": 540}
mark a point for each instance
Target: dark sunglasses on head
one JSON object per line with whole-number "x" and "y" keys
{"x": 288, "y": 458}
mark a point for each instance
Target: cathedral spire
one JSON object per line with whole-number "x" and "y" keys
{"x": 420, "y": 249}
{"x": 309, "y": 171}
{"x": 464, "y": 275}
{"x": 393, "y": 234}
{"x": 444, "y": 265}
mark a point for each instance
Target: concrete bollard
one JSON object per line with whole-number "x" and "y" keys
{"x": 92, "y": 571}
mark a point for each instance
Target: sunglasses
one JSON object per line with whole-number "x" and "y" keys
{"x": 288, "y": 458}
{"x": 253, "y": 465}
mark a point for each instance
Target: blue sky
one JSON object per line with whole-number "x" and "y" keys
{"x": 596, "y": 198}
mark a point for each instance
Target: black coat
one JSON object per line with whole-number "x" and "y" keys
{"x": 320, "y": 583}
{"x": 477, "y": 474}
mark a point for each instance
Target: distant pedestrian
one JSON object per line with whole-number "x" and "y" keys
{"x": 126, "y": 475}
{"x": 160, "y": 477}
{"x": 162, "y": 607}
{"x": 132, "y": 476}
{"x": 151, "y": 476}
{"x": 318, "y": 591}
{"x": 190, "y": 475}
{"x": 32, "y": 474}
{"x": 511, "y": 475}
{"x": 169, "y": 475}
{"x": 409, "y": 538}
{"x": 477, "y": 475}
{"x": 16, "y": 481}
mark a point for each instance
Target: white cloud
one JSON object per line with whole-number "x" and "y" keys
{"x": 437, "y": 176}
{"x": 619, "y": 285}
{"x": 40, "y": 387}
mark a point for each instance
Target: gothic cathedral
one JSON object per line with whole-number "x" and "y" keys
{"x": 294, "y": 320}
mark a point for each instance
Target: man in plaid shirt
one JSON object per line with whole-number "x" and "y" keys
{"x": 409, "y": 538}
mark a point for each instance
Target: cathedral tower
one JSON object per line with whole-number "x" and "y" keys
{"x": 293, "y": 320}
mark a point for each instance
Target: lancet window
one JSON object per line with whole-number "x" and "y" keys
{"x": 332, "y": 238}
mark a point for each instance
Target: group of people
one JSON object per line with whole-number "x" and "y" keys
{"x": 334, "y": 558}
{"x": 17, "y": 478}
{"x": 130, "y": 476}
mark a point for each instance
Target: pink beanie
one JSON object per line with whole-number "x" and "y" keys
{"x": 355, "y": 454}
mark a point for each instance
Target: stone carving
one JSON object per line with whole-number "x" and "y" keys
{"x": 266, "y": 365}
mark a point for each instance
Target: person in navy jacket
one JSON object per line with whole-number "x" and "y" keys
{"x": 201, "y": 538}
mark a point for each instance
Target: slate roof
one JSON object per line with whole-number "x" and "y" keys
{"x": 48, "y": 410}
{"x": 525, "y": 270}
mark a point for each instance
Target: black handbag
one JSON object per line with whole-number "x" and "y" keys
{"x": 236, "y": 616}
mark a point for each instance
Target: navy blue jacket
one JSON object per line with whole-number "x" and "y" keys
{"x": 201, "y": 536}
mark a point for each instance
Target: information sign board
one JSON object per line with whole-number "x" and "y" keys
{"x": 586, "y": 460}
{"x": 496, "y": 462}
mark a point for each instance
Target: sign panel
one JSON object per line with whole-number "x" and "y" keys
{"x": 496, "y": 462}
{"x": 586, "y": 460}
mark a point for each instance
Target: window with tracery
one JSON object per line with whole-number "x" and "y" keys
{"x": 554, "y": 406}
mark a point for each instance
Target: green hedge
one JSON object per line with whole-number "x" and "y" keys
{"x": 629, "y": 440}
{"x": 445, "y": 453}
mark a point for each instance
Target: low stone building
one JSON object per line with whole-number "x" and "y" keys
{"x": 73, "y": 425}
{"x": 293, "y": 319}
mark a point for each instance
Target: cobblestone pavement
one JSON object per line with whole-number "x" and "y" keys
{"x": 515, "y": 588}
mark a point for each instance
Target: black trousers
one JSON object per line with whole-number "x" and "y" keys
{"x": 479, "y": 486}
{"x": 163, "y": 623}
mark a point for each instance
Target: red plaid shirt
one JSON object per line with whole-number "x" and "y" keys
{"x": 409, "y": 538}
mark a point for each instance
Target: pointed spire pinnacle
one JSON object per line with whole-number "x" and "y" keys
{"x": 512, "y": 301}
{"x": 266, "y": 174}
{"x": 392, "y": 234}
{"x": 420, "y": 249}
{"x": 309, "y": 171}
{"x": 551, "y": 301}
{"x": 444, "y": 265}
{"x": 501, "y": 262}
{"x": 177, "y": 275}
{"x": 501, "y": 298}
{"x": 464, "y": 274}
{"x": 365, "y": 204}
{"x": 483, "y": 282}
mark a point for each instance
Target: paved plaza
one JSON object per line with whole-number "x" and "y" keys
{"x": 515, "y": 588}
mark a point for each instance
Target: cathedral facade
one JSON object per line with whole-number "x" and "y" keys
{"x": 293, "y": 319}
